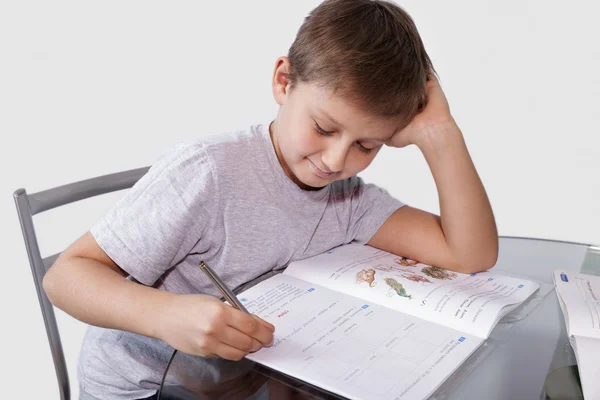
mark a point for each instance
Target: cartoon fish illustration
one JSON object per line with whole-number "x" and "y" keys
{"x": 398, "y": 288}
{"x": 366, "y": 276}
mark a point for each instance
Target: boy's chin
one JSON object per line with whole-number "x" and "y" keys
{"x": 309, "y": 181}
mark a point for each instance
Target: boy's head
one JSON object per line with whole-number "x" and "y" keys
{"x": 355, "y": 74}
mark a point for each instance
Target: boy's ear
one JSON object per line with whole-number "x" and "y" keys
{"x": 281, "y": 83}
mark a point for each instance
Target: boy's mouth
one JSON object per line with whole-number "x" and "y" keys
{"x": 319, "y": 172}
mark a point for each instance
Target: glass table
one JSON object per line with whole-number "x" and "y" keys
{"x": 526, "y": 357}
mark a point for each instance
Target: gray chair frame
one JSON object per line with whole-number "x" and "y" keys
{"x": 29, "y": 205}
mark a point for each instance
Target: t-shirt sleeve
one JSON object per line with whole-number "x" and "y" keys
{"x": 150, "y": 229}
{"x": 370, "y": 207}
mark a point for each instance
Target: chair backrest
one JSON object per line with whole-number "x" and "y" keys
{"x": 30, "y": 204}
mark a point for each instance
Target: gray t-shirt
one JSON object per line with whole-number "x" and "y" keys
{"x": 226, "y": 200}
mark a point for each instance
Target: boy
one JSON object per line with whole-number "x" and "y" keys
{"x": 357, "y": 77}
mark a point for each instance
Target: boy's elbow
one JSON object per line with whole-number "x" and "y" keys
{"x": 475, "y": 261}
{"x": 485, "y": 261}
{"x": 480, "y": 267}
{"x": 50, "y": 282}
{"x": 53, "y": 280}
{"x": 491, "y": 255}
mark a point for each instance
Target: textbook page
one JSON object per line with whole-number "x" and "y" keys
{"x": 579, "y": 297}
{"x": 353, "y": 347}
{"x": 587, "y": 351}
{"x": 472, "y": 303}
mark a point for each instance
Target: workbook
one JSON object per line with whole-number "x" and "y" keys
{"x": 579, "y": 299}
{"x": 367, "y": 324}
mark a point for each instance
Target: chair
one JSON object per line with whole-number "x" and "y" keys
{"x": 29, "y": 205}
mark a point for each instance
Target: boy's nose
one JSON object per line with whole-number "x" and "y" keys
{"x": 334, "y": 158}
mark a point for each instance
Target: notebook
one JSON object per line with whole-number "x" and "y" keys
{"x": 579, "y": 299}
{"x": 367, "y": 324}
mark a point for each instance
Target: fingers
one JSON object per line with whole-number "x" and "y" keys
{"x": 238, "y": 340}
{"x": 206, "y": 327}
{"x": 252, "y": 326}
{"x": 269, "y": 326}
{"x": 228, "y": 352}
{"x": 231, "y": 345}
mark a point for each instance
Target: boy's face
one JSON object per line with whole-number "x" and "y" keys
{"x": 320, "y": 138}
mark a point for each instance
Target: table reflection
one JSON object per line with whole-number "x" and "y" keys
{"x": 191, "y": 377}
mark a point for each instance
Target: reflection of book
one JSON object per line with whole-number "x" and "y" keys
{"x": 579, "y": 299}
{"x": 364, "y": 324}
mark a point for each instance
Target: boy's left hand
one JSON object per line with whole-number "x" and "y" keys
{"x": 436, "y": 113}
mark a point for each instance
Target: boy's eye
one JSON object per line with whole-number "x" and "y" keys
{"x": 321, "y": 131}
{"x": 363, "y": 148}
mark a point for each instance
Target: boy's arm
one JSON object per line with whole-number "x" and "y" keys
{"x": 87, "y": 284}
{"x": 464, "y": 237}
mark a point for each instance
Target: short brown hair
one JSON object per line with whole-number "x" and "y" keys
{"x": 369, "y": 51}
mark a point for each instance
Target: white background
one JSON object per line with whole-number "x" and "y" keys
{"x": 89, "y": 88}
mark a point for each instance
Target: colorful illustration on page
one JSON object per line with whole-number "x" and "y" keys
{"x": 405, "y": 262}
{"x": 415, "y": 278}
{"x": 384, "y": 268}
{"x": 366, "y": 276}
{"x": 398, "y": 288}
{"x": 438, "y": 273}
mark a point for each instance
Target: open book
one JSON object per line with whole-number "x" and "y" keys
{"x": 366, "y": 324}
{"x": 579, "y": 299}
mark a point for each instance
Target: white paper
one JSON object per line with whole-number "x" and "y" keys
{"x": 468, "y": 302}
{"x": 353, "y": 347}
{"x": 587, "y": 351}
{"x": 580, "y": 300}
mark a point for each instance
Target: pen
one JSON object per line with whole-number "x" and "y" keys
{"x": 225, "y": 291}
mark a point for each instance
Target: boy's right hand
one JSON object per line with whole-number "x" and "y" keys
{"x": 201, "y": 325}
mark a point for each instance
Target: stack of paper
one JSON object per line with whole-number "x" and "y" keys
{"x": 579, "y": 298}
